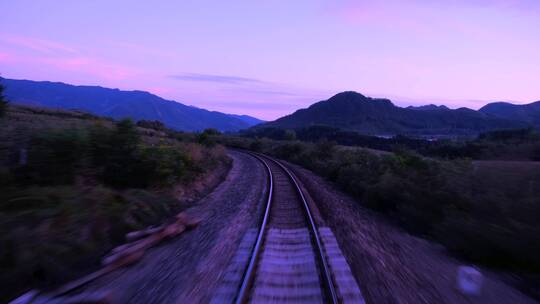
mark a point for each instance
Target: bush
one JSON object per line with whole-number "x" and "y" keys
{"x": 205, "y": 139}
{"x": 53, "y": 158}
{"x": 126, "y": 162}
{"x": 160, "y": 165}
{"x": 325, "y": 148}
{"x": 100, "y": 144}
{"x": 121, "y": 168}
{"x": 211, "y": 131}
{"x": 289, "y": 135}
{"x": 256, "y": 145}
{"x": 151, "y": 124}
{"x": 292, "y": 150}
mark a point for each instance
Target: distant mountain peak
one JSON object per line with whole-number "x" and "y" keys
{"x": 355, "y": 97}
{"x": 354, "y": 111}
{"x": 347, "y": 95}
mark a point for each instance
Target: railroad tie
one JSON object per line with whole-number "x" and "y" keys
{"x": 287, "y": 271}
{"x": 346, "y": 287}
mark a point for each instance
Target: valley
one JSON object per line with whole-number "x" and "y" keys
{"x": 430, "y": 195}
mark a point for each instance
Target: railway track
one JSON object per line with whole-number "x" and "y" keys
{"x": 289, "y": 259}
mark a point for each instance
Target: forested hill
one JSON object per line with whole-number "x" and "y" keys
{"x": 529, "y": 113}
{"x": 354, "y": 111}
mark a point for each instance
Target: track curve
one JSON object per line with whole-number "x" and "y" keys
{"x": 288, "y": 263}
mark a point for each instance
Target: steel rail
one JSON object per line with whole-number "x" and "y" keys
{"x": 327, "y": 277}
{"x": 243, "y": 293}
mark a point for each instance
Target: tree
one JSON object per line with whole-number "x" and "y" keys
{"x": 151, "y": 124}
{"x": 212, "y": 131}
{"x": 325, "y": 148}
{"x": 125, "y": 138}
{"x": 3, "y": 101}
{"x": 289, "y": 135}
{"x": 121, "y": 162}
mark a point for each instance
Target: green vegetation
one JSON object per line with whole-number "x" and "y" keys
{"x": 151, "y": 124}
{"x": 343, "y": 137}
{"x": 115, "y": 157}
{"x": 70, "y": 191}
{"x": 513, "y": 144}
{"x": 206, "y": 138}
{"x": 478, "y": 210}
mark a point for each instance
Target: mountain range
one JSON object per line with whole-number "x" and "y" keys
{"x": 374, "y": 116}
{"x": 120, "y": 104}
{"x": 347, "y": 110}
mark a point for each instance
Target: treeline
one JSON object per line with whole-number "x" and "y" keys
{"x": 521, "y": 143}
{"x": 112, "y": 156}
{"x": 340, "y": 136}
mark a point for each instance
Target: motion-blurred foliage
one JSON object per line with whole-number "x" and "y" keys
{"x": 116, "y": 157}
{"x": 69, "y": 194}
{"x": 50, "y": 234}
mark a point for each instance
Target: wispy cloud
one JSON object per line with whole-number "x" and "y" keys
{"x": 4, "y": 56}
{"x": 214, "y": 78}
{"x": 273, "y": 93}
{"x": 427, "y": 17}
{"x": 285, "y": 108}
{"x": 142, "y": 49}
{"x": 73, "y": 64}
{"x": 39, "y": 45}
{"x": 92, "y": 66}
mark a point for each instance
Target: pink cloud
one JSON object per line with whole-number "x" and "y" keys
{"x": 59, "y": 56}
{"x": 421, "y": 16}
{"x": 35, "y": 44}
{"x": 93, "y": 66}
{"x": 387, "y": 15}
{"x": 142, "y": 49}
{"x": 4, "y": 57}
{"x": 74, "y": 64}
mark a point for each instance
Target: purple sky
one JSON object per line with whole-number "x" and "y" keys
{"x": 268, "y": 58}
